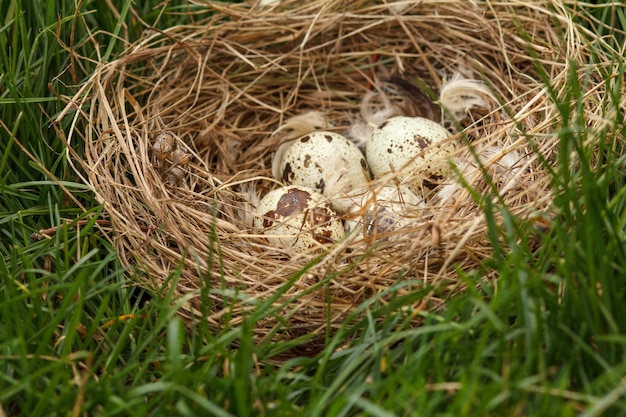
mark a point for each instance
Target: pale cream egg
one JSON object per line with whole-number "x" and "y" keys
{"x": 327, "y": 162}
{"x": 416, "y": 146}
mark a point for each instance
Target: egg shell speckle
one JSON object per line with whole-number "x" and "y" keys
{"x": 314, "y": 157}
{"x": 297, "y": 218}
{"x": 398, "y": 141}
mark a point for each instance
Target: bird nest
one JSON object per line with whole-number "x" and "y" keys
{"x": 180, "y": 130}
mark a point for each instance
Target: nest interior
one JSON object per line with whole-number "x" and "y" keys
{"x": 224, "y": 86}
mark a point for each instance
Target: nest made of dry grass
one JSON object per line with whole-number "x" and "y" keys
{"x": 224, "y": 85}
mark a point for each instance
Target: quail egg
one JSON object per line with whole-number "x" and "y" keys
{"x": 384, "y": 210}
{"x": 327, "y": 162}
{"x": 416, "y": 143}
{"x": 297, "y": 218}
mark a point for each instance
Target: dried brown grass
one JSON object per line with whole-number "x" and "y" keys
{"x": 223, "y": 86}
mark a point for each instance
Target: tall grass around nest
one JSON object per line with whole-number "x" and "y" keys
{"x": 78, "y": 338}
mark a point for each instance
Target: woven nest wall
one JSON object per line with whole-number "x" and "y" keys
{"x": 224, "y": 87}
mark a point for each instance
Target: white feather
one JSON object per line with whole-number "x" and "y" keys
{"x": 504, "y": 167}
{"x": 460, "y": 95}
{"x": 372, "y": 113}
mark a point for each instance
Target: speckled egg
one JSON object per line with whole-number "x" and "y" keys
{"x": 314, "y": 159}
{"x": 384, "y": 210}
{"x": 297, "y": 218}
{"x": 398, "y": 141}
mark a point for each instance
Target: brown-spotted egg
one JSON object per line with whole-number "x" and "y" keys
{"x": 320, "y": 157}
{"x": 415, "y": 144}
{"x": 297, "y": 218}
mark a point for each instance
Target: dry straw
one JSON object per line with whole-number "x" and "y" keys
{"x": 223, "y": 86}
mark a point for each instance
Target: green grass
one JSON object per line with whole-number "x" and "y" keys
{"x": 77, "y": 338}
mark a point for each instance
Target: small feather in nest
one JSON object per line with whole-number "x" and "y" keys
{"x": 414, "y": 101}
{"x": 375, "y": 108}
{"x": 397, "y": 97}
{"x": 504, "y": 167}
{"x": 249, "y": 204}
{"x": 460, "y": 96}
